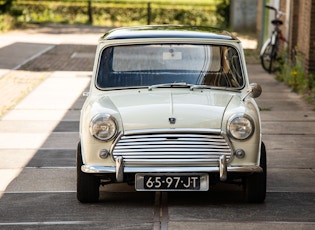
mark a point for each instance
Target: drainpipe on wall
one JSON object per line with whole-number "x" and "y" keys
{"x": 262, "y": 25}
{"x": 287, "y": 20}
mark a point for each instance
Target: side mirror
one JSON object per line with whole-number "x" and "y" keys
{"x": 256, "y": 90}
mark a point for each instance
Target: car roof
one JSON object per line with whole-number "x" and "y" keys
{"x": 167, "y": 31}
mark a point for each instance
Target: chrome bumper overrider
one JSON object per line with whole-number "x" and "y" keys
{"x": 120, "y": 169}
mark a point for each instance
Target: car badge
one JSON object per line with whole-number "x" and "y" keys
{"x": 172, "y": 120}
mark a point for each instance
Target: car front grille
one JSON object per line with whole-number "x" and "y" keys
{"x": 166, "y": 149}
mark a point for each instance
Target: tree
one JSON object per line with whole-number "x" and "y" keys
{"x": 90, "y": 13}
{"x": 6, "y": 6}
{"x": 223, "y": 11}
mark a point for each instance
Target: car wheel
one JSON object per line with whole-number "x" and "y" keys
{"x": 87, "y": 184}
{"x": 255, "y": 184}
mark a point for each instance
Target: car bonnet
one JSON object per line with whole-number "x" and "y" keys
{"x": 169, "y": 108}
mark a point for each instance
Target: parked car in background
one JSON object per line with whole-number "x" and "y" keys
{"x": 170, "y": 108}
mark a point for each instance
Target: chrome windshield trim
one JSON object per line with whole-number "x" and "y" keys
{"x": 120, "y": 88}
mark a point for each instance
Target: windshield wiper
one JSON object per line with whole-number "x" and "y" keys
{"x": 174, "y": 84}
{"x": 192, "y": 87}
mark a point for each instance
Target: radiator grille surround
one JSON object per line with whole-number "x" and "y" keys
{"x": 172, "y": 148}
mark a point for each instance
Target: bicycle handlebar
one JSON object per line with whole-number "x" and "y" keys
{"x": 278, "y": 13}
{"x": 271, "y": 7}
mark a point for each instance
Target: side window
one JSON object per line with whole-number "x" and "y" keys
{"x": 103, "y": 79}
{"x": 235, "y": 67}
{"x": 225, "y": 70}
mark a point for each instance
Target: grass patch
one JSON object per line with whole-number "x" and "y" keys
{"x": 292, "y": 72}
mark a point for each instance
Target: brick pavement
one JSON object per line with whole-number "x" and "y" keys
{"x": 64, "y": 57}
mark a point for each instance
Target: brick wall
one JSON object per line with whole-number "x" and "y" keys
{"x": 311, "y": 64}
{"x": 303, "y": 28}
{"x": 302, "y": 25}
{"x": 294, "y": 25}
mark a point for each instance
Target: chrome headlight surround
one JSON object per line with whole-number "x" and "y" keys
{"x": 240, "y": 126}
{"x": 103, "y": 127}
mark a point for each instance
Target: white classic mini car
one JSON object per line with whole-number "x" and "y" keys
{"x": 170, "y": 108}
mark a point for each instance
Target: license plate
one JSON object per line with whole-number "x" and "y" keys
{"x": 172, "y": 182}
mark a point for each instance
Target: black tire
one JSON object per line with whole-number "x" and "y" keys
{"x": 267, "y": 58}
{"x": 255, "y": 184}
{"x": 87, "y": 184}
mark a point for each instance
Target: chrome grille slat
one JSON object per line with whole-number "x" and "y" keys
{"x": 172, "y": 157}
{"x": 181, "y": 146}
{"x": 171, "y": 148}
{"x": 175, "y": 162}
{"x": 137, "y": 143}
{"x": 170, "y": 151}
{"x": 159, "y": 136}
{"x": 162, "y": 154}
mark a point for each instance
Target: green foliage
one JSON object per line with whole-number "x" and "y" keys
{"x": 292, "y": 73}
{"x": 223, "y": 11}
{"x": 6, "y": 22}
{"x": 5, "y": 6}
{"x": 53, "y": 13}
{"x": 122, "y": 12}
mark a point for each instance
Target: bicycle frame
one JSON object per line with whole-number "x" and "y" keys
{"x": 264, "y": 47}
{"x": 269, "y": 50}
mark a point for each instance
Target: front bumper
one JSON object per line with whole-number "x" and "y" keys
{"x": 120, "y": 169}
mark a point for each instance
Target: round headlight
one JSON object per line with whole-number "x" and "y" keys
{"x": 103, "y": 127}
{"x": 240, "y": 126}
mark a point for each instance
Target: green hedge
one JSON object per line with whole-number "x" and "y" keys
{"x": 119, "y": 13}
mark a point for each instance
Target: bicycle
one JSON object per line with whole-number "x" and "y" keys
{"x": 269, "y": 51}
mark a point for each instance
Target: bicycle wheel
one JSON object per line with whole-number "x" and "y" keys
{"x": 268, "y": 57}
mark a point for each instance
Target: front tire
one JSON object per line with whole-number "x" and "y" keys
{"x": 255, "y": 184}
{"x": 87, "y": 184}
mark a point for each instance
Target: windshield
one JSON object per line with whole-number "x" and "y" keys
{"x": 146, "y": 65}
